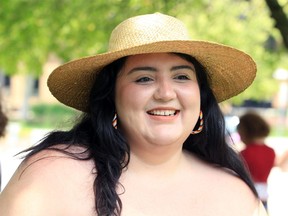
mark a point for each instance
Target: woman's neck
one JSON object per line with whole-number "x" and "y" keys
{"x": 158, "y": 160}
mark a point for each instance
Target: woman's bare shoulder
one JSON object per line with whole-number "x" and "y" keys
{"x": 237, "y": 193}
{"x": 49, "y": 162}
{"x": 226, "y": 189}
{"x": 45, "y": 182}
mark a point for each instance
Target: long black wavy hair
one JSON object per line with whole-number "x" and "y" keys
{"x": 109, "y": 150}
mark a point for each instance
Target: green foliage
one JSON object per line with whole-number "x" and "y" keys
{"x": 245, "y": 25}
{"x": 51, "y": 116}
{"x": 30, "y": 30}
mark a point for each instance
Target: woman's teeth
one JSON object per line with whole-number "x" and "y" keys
{"x": 163, "y": 112}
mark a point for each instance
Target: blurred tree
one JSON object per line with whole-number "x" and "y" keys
{"x": 30, "y": 30}
{"x": 278, "y": 13}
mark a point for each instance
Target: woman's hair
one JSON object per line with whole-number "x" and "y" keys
{"x": 3, "y": 121}
{"x": 253, "y": 126}
{"x": 110, "y": 151}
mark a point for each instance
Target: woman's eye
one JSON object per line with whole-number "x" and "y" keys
{"x": 143, "y": 80}
{"x": 182, "y": 77}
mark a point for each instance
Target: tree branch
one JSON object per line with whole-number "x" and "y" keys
{"x": 281, "y": 20}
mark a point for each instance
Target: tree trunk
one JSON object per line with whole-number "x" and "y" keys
{"x": 27, "y": 95}
{"x": 281, "y": 20}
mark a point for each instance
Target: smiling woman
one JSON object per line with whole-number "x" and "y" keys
{"x": 157, "y": 99}
{"x": 151, "y": 140}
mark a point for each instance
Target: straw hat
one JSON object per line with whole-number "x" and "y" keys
{"x": 230, "y": 71}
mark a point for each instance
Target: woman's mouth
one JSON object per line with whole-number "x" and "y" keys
{"x": 163, "y": 112}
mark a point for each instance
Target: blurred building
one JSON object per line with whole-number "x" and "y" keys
{"x": 18, "y": 91}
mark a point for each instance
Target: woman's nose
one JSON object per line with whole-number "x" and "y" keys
{"x": 165, "y": 90}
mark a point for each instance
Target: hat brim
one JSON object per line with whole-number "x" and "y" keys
{"x": 230, "y": 71}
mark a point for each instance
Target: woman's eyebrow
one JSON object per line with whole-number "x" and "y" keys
{"x": 152, "y": 69}
{"x": 145, "y": 68}
{"x": 179, "y": 67}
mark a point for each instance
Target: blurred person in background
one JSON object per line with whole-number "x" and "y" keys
{"x": 282, "y": 161}
{"x": 3, "y": 123}
{"x": 3, "y": 120}
{"x": 258, "y": 157}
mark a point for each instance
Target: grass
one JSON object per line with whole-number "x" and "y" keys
{"x": 279, "y": 132}
{"x": 50, "y": 116}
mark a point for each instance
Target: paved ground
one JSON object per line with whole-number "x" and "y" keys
{"x": 278, "y": 180}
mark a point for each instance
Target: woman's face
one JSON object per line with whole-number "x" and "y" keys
{"x": 157, "y": 99}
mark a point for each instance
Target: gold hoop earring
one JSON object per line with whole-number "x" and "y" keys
{"x": 201, "y": 124}
{"x": 114, "y": 121}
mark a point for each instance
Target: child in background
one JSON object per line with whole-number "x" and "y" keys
{"x": 258, "y": 157}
